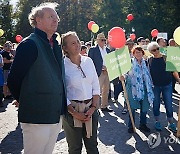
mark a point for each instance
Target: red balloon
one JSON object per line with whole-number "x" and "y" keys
{"x": 154, "y": 33}
{"x": 90, "y": 24}
{"x": 130, "y": 17}
{"x": 133, "y": 36}
{"x": 19, "y": 38}
{"x": 116, "y": 37}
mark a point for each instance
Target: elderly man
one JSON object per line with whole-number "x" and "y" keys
{"x": 97, "y": 54}
{"x": 36, "y": 81}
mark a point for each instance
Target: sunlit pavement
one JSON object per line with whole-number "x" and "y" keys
{"x": 113, "y": 137}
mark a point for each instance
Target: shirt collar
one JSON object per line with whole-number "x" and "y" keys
{"x": 43, "y": 35}
{"x": 67, "y": 59}
{"x": 101, "y": 48}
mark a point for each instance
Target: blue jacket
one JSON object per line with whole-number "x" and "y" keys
{"x": 95, "y": 55}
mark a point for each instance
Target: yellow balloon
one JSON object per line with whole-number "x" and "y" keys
{"x": 95, "y": 28}
{"x": 176, "y": 35}
{"x": 1, "y": 32}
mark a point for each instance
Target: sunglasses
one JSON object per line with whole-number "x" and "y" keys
{"x": 103, "y": 40}
{"x": 8, "y": 46}
{"x": 154, "y": 50}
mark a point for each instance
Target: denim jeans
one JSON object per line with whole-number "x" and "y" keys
{"x": 167, "y": 98}
{"x": 143, "y": 119}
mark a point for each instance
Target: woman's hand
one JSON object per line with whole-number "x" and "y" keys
{"x": 76, "y": 114}
{"x": 89, "y": 113}
{"x": 79, "y": 116}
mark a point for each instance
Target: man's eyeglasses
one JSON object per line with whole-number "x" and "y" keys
{"x": 82, "y": 72}
{"x": 154, "y": 50}
{"x": 103, "y": 40}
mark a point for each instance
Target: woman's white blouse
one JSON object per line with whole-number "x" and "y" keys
{"x": 81, "y": 86}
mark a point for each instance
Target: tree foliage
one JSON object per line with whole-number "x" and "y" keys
{"x": 6, "y": 20}
{"x": 163, "y": 15}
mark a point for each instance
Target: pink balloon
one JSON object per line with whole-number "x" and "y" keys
{"x": 19, "y": 38}
{"x": 133, "y": 36}
{"x": 154, "y": 33}
{"x": 116, "y": 37}
{"x": 130, "y": 17}
{"x": 90, "y": 24}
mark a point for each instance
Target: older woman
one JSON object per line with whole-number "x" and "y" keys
{"x": 139, "y": 88}
{"x": 162, "y": 81}
{"x": 83, "y": 91}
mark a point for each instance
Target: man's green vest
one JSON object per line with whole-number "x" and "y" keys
{"x": 42, "y": 96}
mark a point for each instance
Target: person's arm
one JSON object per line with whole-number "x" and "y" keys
{"x": 95, "y": 93}
{"x": 1, "y": 61}
{"x": 26, "y": 54}
{"x": 6, "y": 61}
{"x": 176, "y": 76}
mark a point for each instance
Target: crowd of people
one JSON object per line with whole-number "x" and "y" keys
{"x": 67, "y": 84}
{"x": 7, "y": 53}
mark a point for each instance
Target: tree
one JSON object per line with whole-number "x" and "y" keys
{"x": 75, "y": 15}
{"x": 149, "y": 14}
{"x": 6, "y": 20}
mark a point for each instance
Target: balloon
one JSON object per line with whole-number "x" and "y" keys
{"x": 154, "y": 33}
{"x": 95, "y": 28}
{"x": 90, "y": 24}
{"x": 130, "y": 17}
{"x": 116, "y": 37}
{"x": 133, "y": 36}
{"x": 176, "y": 35}
{"x": 1, "y": 32}
{"x": 19, "y": 38}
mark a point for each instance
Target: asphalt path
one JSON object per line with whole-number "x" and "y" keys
{"x": 113, "y": 137}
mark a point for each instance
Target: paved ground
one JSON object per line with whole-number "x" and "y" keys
{"x": 112, "y": 133}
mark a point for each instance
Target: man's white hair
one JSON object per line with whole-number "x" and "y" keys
{"x": 38, "y": 12}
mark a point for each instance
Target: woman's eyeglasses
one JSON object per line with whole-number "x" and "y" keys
{"x": 154, "y": 50}
{"x": 82, "y": 72}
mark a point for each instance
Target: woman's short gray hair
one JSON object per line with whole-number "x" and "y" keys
{"x": 38, "y": 12}
{"x": 151, "y": 45}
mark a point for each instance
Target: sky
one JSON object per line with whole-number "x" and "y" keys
{"x": 13, "y": 2}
